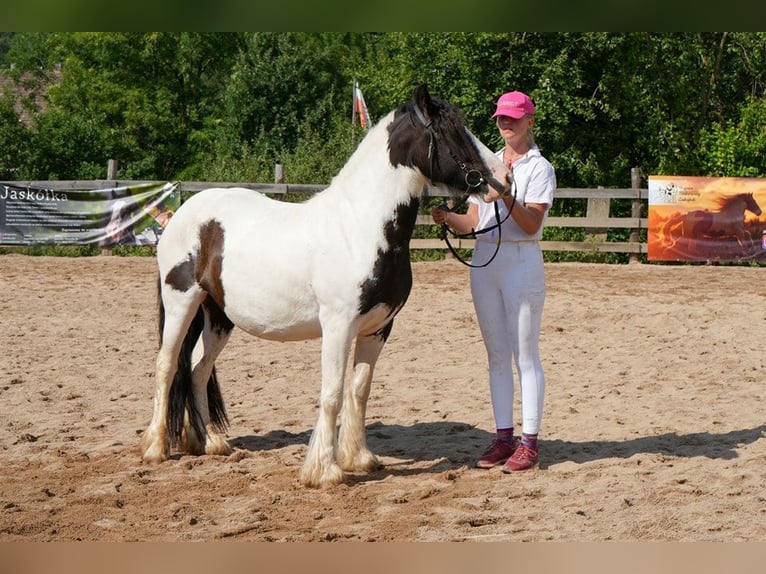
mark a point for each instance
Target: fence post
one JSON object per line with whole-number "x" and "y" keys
{"x": 111, "y": 169}
{"x": 635, "y": 211}
{"x": 111, "y": 174}
{"x": 597, "y": 208}
{"x": 279, "y": 173}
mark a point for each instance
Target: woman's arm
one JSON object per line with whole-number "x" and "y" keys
{"x": 458, "y": 222}
{"x": 529, "y": 216}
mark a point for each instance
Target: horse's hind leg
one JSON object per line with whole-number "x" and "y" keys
{"x": 176, "y": 315}
{"x": 155, "y": 442}
{"x": 205, "y": 434}
{"x": 353, "y": 453}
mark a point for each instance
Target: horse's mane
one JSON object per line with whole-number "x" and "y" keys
{"x": 723, "y": 200}
{"x": 446, "y": 111}
{"x": 402, "y": 121}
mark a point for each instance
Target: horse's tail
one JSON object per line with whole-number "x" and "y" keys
{"x": 181, "y": 397}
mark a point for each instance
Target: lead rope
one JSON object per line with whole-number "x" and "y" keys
{"x": 473, "y": 179}
{"x": 445, "y": 231}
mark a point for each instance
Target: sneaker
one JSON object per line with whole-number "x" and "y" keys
{"x": 523, "y": 459}
{"x": 497, "y": 453}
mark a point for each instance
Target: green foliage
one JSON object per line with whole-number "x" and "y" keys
{"x": 65, "y": 146}
{"x": 229, "y": 106}
{"x": 219, "y": 106}
{"x": 738, "y": 150}
{"x": 52, "y": 250}
{"x": 14, "y": 142}
{"x": 143, "y": 98}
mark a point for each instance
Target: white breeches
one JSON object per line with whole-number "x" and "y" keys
{"x": 508, "y": 296}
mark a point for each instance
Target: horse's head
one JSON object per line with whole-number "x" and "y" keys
{"x": 751, "y": 204}
{"x": 431, "y": 135}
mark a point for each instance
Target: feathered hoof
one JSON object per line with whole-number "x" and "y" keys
{"x": 318, "y": 478}
{"x": 218, "y": 445}
{"x": 363, "y": 461}
{"x": 155, "y": 452}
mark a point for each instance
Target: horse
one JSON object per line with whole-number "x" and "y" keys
{"x": 726, "y": 221}
{"x": 336, "y": 266}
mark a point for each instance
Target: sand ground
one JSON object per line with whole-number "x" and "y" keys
{"x": 653, "y": 431}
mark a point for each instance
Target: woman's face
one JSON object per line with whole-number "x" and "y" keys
{"x": 513, "y": 128}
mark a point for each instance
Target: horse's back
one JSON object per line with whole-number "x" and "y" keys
{"x": 228, "y": 202}
{"x": 236, "y": 212}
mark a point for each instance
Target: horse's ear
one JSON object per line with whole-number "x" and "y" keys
{"x": 422, "y": 99}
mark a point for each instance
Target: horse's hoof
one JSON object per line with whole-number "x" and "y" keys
{"x": 155, "y": 451}
{"x": 364, "y": 461}
{"x": 219, "y": 446}
{"x": 331, "y": 476}
{"x": 367, "y": 462}
{"x": 153, "y": 458}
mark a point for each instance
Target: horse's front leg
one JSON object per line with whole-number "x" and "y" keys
{"x": 353, "y": 453}
{"x": 321, "y": 467}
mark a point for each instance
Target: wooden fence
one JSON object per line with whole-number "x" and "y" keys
{"x": 596, "y": 223}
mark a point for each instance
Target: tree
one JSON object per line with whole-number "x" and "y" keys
{"x": 147, "y": 95}
{"x": 227, "y": 106}
{"x": 737, "y": 149}
{"x": 14, "y": 141}
{"x": 284, "y": 89}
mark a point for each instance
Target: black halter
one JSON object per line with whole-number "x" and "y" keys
{"x": 473, "y": 179}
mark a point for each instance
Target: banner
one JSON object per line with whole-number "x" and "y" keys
{"x": 133, "y": 215}
{"x": 707, "y": 219}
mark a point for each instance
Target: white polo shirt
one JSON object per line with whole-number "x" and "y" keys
{"x": 535, "y": 182}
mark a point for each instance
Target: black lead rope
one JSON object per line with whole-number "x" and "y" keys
{"x": 473, "y": 179}
{"x": 472, "y": 235}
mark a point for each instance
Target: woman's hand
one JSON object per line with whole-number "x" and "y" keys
{"x": 439, "y": 214}
{"x": 494, "y": 195}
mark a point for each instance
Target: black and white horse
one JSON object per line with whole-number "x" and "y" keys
{"x": 336, "y": 266}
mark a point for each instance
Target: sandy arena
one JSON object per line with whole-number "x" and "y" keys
{"x": 653, "y": 430}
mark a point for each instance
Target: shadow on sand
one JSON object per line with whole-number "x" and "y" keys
{"x": 449, "y": 445}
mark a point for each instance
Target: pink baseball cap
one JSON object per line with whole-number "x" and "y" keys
{"x": 515, "y": 105}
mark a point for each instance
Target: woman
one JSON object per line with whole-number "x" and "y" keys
{"x": 509, "y": 293}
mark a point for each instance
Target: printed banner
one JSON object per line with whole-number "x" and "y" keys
{"x": 707, "y": 219}
{"x": 133, "y": 215}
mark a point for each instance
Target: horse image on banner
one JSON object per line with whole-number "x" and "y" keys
{"x": 706, "y": 219}
{"x": 336, "y": 266}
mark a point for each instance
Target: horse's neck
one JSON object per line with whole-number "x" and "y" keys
{"x": 369, "y": 184}
{"x": 734, "y": 209}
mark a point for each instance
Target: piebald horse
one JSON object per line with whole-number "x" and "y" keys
{"x": 336, "y": 266}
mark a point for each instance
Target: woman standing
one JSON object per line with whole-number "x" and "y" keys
{"x": 509, "y": 293}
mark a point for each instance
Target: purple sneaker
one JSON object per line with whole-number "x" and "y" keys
{"x": 497, "y": 453}
{"x": 523, "y": 459}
